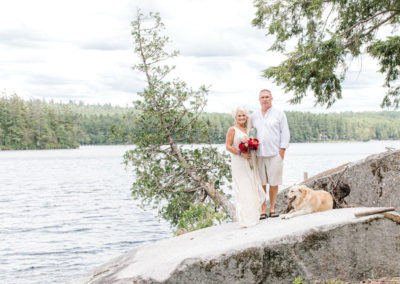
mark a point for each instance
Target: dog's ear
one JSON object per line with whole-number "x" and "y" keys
{"x": 303, "y": 188}
{"x": 294, "y": 187}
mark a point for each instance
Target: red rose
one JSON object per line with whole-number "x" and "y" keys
{"x": 250, "y": 145}
{"x": 243, "y": 147}
{"x": 253, "y": 143}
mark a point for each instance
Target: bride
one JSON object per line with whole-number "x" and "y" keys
{"x": 249, "y": 194}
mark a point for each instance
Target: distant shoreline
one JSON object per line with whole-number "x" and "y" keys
{"x": 3, "y": 148}
{"x": 35, "y": 124}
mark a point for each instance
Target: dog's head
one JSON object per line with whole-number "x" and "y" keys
{"x": 296, "y": 193}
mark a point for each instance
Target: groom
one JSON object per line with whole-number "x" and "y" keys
{"x": 273, "y": 134}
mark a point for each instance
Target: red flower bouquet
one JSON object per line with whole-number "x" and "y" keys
{"x": 249, "y": 146}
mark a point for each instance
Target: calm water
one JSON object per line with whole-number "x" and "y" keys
{"x": 63, "y": 212}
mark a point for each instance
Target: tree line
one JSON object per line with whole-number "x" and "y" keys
{"x": 37, "y": 124}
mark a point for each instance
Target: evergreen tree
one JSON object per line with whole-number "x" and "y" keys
{"x": 328, "y": 33}
{"x": 185, "y": 183}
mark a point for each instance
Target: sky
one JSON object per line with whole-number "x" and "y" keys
{"x": 83, "y": 50}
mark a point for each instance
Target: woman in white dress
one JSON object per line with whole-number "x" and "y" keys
{"x": 249, "y": 194}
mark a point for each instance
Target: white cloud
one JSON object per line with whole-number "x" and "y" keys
{"x": 83, "y": 50}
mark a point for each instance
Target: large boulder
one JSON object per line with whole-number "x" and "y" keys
{"x": 373, "y": 181}
{"x": 328, "y": 245}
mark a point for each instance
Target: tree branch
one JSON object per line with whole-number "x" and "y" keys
{"x": 371, "y": 29}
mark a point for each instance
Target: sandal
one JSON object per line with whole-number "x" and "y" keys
{"x": 273, "y": 214}
{"x": 263, "y": 216}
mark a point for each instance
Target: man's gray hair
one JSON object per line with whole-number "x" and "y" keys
{"x": 265, "y": 90}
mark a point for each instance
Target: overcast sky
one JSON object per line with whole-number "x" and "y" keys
{"x": 82, "y": 50}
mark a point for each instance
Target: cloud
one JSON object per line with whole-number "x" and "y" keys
{"x": 16, "y": 38}
{"x": 83, "y": 50}
{"x": 104, "y": 45}
{"x": 49, "y": 80}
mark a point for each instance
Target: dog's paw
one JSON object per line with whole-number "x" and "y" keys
{"x": 286, "y": 216}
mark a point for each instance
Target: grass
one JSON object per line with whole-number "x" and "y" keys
{"x": 386, "y": 280}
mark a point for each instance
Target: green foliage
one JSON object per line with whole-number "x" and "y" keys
{"x": 35, "y": 125}
{"x": 177, "y": 179}
{"x": 388, "y": 54}
{"x": 328, "y": 34}
{"x": 68, "y": 124}
{"x": 299, "y": 280}
{"x": 199, "y": 216}
{"x": 347, "y": 126}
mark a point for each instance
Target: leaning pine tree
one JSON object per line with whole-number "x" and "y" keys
{"x": 184, "y": 182}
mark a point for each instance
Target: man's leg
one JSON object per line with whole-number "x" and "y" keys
{"x": 263, "y": 206}
{"x": 274, "y": 170}
{"x": 263, "y": 178}
{"x": 273, "y": 192}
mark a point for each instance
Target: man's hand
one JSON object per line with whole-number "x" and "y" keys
{"x": 282, "y": 153}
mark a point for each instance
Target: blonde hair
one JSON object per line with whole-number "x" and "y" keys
{"x": 246, "y": 112}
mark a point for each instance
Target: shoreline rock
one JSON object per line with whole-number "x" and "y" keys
{"x": 373, "y": 181}
{"x": 322, "y": 246}
{"x": 328, "y": 245}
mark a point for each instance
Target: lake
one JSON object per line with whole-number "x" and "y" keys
{"x": 64, "y": 212}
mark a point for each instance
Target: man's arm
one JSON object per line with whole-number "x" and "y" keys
{"x": 282, "y": 153}
{"x": 285, "y": 135}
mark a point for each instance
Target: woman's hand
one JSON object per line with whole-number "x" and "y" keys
{"x": 245, "y": 155}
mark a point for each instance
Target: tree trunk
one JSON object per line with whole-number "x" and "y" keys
{"x": 207, "y": 187}
{"x": 221, "y": 199}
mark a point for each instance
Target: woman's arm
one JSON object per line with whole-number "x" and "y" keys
{"x": 229, "y": 142}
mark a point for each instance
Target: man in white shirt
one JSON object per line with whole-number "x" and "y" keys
{"x": 273, "y": 134}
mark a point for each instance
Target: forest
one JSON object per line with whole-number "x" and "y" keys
{"x": 37, "y": 124}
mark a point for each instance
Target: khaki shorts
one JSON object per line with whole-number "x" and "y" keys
{"x": 270, "y": 169}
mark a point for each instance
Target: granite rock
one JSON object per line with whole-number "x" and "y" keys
{"x": 373, "y": 181}
{"x": 328, "y": 245}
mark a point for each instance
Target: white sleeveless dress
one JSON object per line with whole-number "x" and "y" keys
{"x": 249, "y": 194}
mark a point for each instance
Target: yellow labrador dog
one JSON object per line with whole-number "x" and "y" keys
{"x": 305, "y": 200}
